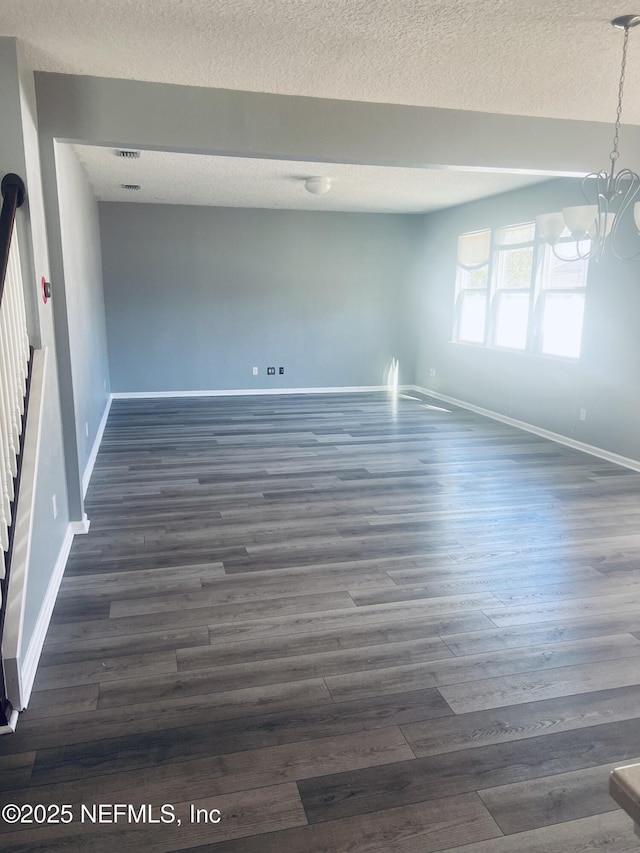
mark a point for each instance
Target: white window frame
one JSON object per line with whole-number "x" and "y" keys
{"x": 537, "y": 292}
{"x": 462, "y": 291}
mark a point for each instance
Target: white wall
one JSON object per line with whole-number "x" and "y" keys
{"x": 87, "y": 384}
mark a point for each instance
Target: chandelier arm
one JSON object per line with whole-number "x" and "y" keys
{"x": 625, "y": 175}
{"x": 627, "y": 200}
{"x": 593, "y": 252}
{"x": 622, "y": 257}
{"x": 601, "y": 180}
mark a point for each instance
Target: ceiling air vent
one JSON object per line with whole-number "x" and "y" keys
{"x": 127, "y": 155}
{"x": 130, "y": 186}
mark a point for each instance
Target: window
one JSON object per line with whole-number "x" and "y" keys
{"x": 562, "y": 297}
{"x": 473, "y": 286}
{"x": 513, "y": 268}
{"x": 513, "y": 293}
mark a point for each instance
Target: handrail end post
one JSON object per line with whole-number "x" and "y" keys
{"x": 12, "y": 180}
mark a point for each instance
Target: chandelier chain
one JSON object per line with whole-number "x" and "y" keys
{"x": 610, "y": 195}
{"x": 616, "y": 136}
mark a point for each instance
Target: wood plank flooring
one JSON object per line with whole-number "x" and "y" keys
{"x": 349, "y": 625}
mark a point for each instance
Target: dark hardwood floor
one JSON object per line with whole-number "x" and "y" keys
{"x": 350, "y": 625}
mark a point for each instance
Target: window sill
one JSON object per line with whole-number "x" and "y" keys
{"x": 527, "y": 354}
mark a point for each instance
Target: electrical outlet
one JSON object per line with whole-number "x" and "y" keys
{"x": 281, "y": 371}
{"x": 54, "y": 504}
{"x": 271, "y": 371}
{"x": 86, "y": 428}
{"x": 255, "y": 371}
{"x": 432, "y": 373}
{"x": 583, "y": 414}
{"x": 104, "y": 384}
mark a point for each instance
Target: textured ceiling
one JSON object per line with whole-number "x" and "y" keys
{"x": 557, "y": 58}
{"x": 170, "y": 178}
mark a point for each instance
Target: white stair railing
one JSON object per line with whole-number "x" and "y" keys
{"x": 15, "y": 366}
{"x": 14, "y": 362}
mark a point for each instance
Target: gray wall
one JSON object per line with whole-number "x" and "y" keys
{"x": 19, "y": 153}
{"x": 137, "y": 114}
{"x": 196, "y": 296}
{"x": 126, "y": 112}
{"x": 547, "y": 392}
{"x": 88, "y": 380}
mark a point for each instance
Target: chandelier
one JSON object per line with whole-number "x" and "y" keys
{"x": 595, "y": 225}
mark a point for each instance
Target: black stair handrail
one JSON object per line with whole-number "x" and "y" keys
{"x": 13, "y": 196}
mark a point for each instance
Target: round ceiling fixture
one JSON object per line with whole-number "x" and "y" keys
{"x": 317, "y": 186}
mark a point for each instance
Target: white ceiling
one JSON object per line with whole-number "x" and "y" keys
{"x": 555, "y": 58}
{"x": 170, "y": 178}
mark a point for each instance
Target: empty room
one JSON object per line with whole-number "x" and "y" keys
{"x": 319, "y": 427}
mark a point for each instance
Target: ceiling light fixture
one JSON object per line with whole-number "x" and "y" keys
{"x": 317, "y": 186}
{"x": 595, "y": 225}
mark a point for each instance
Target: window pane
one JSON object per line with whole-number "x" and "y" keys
{"x": 473, "y": 311}
{"x": 514, "y": 268}
{"x": 477, "y": 278}
{"x": 562, "y": 324}
{"x": 516, "y": 234}
{"x": 512, "y": 318}
{"x": 566, "y": 274}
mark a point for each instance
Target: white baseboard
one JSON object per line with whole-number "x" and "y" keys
{"x": 247, "y": 392}
{"x": 592, "y": 450}
{"x": 20, "y": 671}
{"x": 10, "y": 728}
{"x": 79, "y": 528}
{"x": 32, "y": 657}
{"x": 91, "y": 461}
